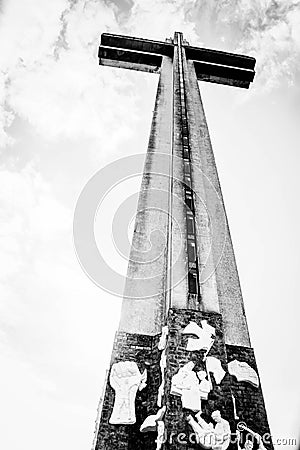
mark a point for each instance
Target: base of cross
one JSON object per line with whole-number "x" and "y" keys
{"x": 183, "y": 389}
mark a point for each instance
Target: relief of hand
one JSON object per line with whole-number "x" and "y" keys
{"x": 125, "y": 379}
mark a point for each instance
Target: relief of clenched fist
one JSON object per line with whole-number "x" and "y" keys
{"x": 126, "y": 380}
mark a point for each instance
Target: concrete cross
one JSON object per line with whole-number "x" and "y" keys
{"x": 146, "y": 55}
{"x": 190, "y": 278}
{"x": 179, "y": 131}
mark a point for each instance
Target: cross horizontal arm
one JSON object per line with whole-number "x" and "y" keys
{"x": 128, "y": 59}
{"x": 222, "y": 67}
{"x": 137, "y": 44}
{"x": 133, "y": 53}
{"x": 146, "y": 55}
{"x": 216, "y": 73}
{"x": 219, "y": 57}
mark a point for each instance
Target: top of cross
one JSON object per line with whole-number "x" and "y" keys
{"x": 146, "y": 55}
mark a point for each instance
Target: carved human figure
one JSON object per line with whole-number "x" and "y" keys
{"x": 205, "y": 385}
{"x": 203, "y": 431}
{"x": 209, "y": 437}
{"x": 214, "y": 366}
{"x": 222, "y": 431}
{"x": 252, "y": 437}
{"x": 126, "y": 380}
{"x": 186, "y": 384}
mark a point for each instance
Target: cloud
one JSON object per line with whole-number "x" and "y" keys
{"x": 6, "y": 116}
{"x": 270, "y": 33}
{"x": 48, "y": 55}
{"x": 155, "y": 19}
{"x": 30, "y": 214}
{"x": 265, "y": 29}
{"x": 50, "y": 73}
{"x": 50, "y": 313}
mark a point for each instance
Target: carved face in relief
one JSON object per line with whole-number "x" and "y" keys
{"x": 201, "y": 375}
{"x": 216, "y": 416}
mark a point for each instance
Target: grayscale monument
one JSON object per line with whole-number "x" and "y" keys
{"x": 183, "y": 373}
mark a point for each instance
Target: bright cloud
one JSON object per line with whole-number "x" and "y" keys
{"x": 265, "y": 29}
{"x": 54, "y": 322}
{"x": 56, "y": 85}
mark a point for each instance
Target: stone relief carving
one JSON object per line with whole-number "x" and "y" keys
{"x": 214, "y": 366}
{"x": 161, "y": 393}
{"x": 205, "y": 385}
{"x": 236, "y": 417}
{"x": 155, "y": 423}
{"x": 208, "y": 436}
{"x": 126, "y": 379}
{"x": 205, "y": 336}
{"x": 150, "y": 423}
{"x": 243, "y": 372}
{"x": 163, "y": 339}
{"x": 251, "y": 437}
{"x": 191, "y": 387}
{"x": 160, "y": 434}
{"x": 161, "y": 389}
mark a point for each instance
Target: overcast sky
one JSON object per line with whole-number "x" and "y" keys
{"x": 62, "y": 117}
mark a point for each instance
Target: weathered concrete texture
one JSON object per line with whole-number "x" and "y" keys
{"x": 249, "y": 400}
{"x": 203, "y": 212}
{"x": 179, "y": 262}
{"x": 136, "y": 44}
{"x": 223, "y": 281}
{"x": 211, "y": 65}
{"x": 178, "y": 356}
{"x": 129, "y": 60}
{"x": 250, "y": 404}
{"x": 144, "y": 296}
{"x": 220, "y": 58}
{"x": 144, "y": 351}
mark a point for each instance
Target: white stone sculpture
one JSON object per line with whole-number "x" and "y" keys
{"x": 205, "y": 385}
{"x": 163, "y": 361}
{"x": 214, "y": 366}
{"x": 161, "y": 390}
{"x": 161, "y": 393}
{"x": 248, "y": 445}
{"x": 150, "y": 423}
{"x": 163, "y": 339}
{"x": 236, "y": 417}
{"x": 249, "y": 442}
{"x": 222, "y": 431}
{"x": 155, "y": 423}
{"x": 203, "y": 431}
{"x": 190, "y": 387}
{"x": 126, "y": 379}
{"x": 243, "y": 372}
{"x": 182, "y": 377}
{"x": 205, "y": 335}
{"x": 160, "y": 434}
{"x": 208, "y": 436}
